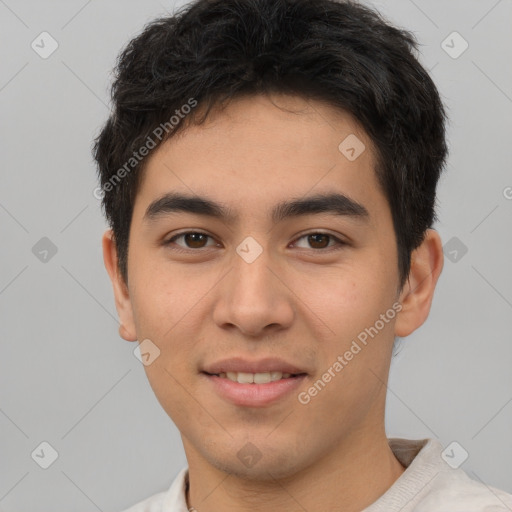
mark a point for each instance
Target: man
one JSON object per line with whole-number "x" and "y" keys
{"x": 269, "y": 174}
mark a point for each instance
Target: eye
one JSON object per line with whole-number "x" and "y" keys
{"x": 198, "y": 240}
{"x": 319, "y": 240}
{"x": 192, "y": 239}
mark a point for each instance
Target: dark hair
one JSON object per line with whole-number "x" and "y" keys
{"x": 339, "y": 52}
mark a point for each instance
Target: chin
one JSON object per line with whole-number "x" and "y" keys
{"x": 267, "y": 471}
{"x": 264, "y": 465}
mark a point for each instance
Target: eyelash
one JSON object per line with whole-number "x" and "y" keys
{"x": 340, "y": 243}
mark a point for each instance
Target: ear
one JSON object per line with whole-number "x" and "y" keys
{"x": 416, "y": 296}
{"x": 123, "y": 304}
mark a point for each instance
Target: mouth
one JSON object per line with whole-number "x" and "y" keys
{"x": 253, "y": 390}
{"x": 253, "y": 383}
{"x": 255, "y": 378}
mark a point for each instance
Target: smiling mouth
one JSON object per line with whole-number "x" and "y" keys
{"x": 255, "y": 378}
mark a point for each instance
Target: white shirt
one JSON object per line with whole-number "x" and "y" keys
{"x": 428, "y": 484}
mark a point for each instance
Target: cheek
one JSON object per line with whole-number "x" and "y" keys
{"x": 360, "y": 316}
{"x": 352, "y": 300}
{"x": 160, "y": 295}
{"x": 354, "y": 360}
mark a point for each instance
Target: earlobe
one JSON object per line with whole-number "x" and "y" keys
{"x": 417, "y": 294}
{"x": 127, "y": 329}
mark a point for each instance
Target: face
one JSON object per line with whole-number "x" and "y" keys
{"x": 289, "y": 289}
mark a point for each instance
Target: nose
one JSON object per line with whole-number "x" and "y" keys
{"x": 254, "y": 298}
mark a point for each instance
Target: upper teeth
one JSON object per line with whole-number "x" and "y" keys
{"x": 256, "y": 378}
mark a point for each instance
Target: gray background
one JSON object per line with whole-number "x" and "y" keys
{"x": 68, "y": 379}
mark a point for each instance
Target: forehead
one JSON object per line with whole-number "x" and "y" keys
{"x": 257, "y": 150}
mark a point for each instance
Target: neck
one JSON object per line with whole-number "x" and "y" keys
{"x": 349, "y": 478}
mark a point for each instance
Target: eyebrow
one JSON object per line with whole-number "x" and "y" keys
{"x": 333, "y": 203}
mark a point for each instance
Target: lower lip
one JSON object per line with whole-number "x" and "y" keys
{"x": 254, "y": 395}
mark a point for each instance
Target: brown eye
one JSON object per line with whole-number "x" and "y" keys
{"x": 195, "y": 240}
{"x": 320, "y": 241}
{"x": 192, "y": 240}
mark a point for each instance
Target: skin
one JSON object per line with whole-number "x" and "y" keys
{"x": 294, "y": 301}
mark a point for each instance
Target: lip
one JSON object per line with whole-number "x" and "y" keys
{"x": 239, "y": 364}
{"x": 254, "y": 395}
